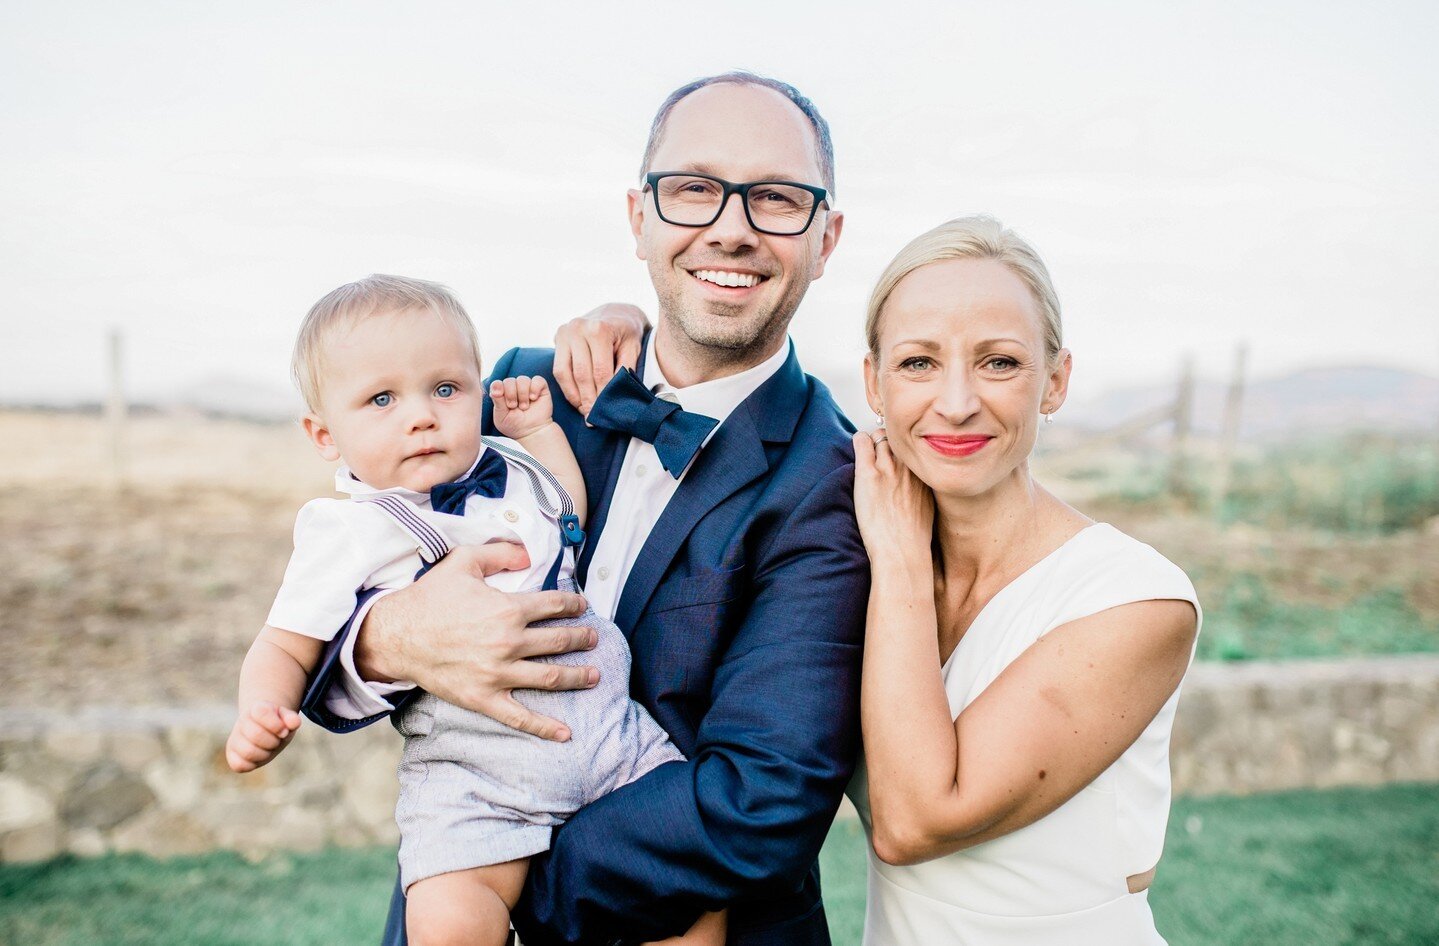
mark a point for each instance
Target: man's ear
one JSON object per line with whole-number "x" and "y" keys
{"x": 314, "y": 427}
{"x": 833, "y": 224}
{"x": 635, "y": 200}
{"x": 1057, "y": 389}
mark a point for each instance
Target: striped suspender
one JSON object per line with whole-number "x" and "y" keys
{"x": 430, "y": 542}
{"x": 433, "y": 544}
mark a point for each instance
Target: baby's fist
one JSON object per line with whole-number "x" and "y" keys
{"x": 522, "y": 405}
{"x": 259, "y": 735}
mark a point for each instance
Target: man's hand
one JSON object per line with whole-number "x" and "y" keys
{"x": 466, "y": 643}
{"x": 259, "y": 734}
{"x": 588, "y": 350}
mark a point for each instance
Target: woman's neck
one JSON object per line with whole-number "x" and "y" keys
{"x": 988, "y": 539}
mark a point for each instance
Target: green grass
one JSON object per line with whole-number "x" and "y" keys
{"x": 1375, "y": 485}
{"x": 1246, "y": 621}
{"x": 1348, "y": 866}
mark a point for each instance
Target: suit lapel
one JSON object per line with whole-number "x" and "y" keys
{"x": 734, "y": 458}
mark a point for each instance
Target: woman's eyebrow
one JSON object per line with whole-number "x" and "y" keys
{"x": 1000, "y": 341}
{"x": 928, "y": 343}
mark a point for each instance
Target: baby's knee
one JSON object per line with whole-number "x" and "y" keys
{"x": 459, "y": 909}
{"x": 431, "y": 929}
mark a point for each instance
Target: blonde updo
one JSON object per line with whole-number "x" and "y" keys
{"x": 976, "y": 237}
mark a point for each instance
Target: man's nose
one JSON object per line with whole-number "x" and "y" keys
{"x": 731, "y": 229}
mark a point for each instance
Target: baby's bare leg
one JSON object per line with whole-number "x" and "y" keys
{"x": 709, "y": 930}
{"x": 466, "y": 907}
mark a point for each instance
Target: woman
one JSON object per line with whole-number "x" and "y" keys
{"x": 1022, "y": 662}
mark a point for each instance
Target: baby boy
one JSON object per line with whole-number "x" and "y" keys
{"x": 390, "y": 371}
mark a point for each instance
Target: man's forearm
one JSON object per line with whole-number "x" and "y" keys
{"x": 376, "y": 650}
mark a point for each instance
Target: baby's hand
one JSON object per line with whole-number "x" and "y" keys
{"x": 259, "y": 735}
{"x": 522, "y": 405}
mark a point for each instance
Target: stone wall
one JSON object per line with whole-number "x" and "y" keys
{"x": 155, "y": 780}
{"x": 1257, "y": 727}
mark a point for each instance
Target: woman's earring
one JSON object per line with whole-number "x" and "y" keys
{"x": 879, "y": 419}
{"x": 1049, "y": 418}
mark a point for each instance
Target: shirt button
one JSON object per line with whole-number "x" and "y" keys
{"x": 641, "y": 470}
{"x": 511, "y": 516}
{"x": 604, "y": 572}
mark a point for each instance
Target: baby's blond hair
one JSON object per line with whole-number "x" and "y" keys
{"x": 358, "y": 300}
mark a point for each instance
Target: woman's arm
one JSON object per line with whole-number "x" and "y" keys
{"x": 1055, "y": 719}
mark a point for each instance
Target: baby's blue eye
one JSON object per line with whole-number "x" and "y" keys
{"x": 445, "y": 390}
{"x": 382, "y": 400}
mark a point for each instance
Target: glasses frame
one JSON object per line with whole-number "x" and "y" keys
{"x": 652, "y": 180}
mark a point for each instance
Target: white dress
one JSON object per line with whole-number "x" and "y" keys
{"x": 1061, "y": 880}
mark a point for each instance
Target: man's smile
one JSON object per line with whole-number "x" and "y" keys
{"x": 731, "y": 278}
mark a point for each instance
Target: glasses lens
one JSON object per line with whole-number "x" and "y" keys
{"x": 688, "y": 200}
{"x": 780, "y": 208}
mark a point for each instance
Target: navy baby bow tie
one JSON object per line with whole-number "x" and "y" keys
{"x": 487, "y": 479}
{"x": 626, "y": 406}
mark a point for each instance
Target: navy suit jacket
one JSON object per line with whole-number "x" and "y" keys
{"x": 745, "y": 614}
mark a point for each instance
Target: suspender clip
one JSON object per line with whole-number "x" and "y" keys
{"x": 570, "y": 528}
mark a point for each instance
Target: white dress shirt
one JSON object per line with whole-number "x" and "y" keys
{"x": 644, "y": 487}
{"x": 641, "y": 493}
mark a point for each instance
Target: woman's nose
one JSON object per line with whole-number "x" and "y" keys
{"x": 958, "y": 397}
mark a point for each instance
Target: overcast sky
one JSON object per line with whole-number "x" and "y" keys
{"x": 1196, "y": 174}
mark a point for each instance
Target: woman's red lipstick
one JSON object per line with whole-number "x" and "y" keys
{"x": 957, "y": 446}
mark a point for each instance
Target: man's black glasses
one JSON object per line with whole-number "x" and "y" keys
{"x": 779, "y": 208}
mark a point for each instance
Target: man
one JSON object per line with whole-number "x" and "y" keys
{"x": 738, "y": 576}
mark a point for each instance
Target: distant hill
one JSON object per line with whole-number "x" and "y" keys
{"x": 1302, "y": 403}
{"x": 229, "y": 396}
{"x": 1313, "y": 400}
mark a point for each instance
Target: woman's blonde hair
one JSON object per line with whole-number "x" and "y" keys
{"x": 976, "y": 237}
{"x": 360, "y": 299}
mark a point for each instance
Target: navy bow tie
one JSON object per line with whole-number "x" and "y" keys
{"x": 487, "y": 479}
{"x": 626, "y": 406}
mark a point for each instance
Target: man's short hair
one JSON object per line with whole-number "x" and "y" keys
{"x": 824, "y": 145}
{"x": 361, "y": 299}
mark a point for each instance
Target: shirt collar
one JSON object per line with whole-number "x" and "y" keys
{"x": 717, "y": 398}
{"x": 348, "y": 482}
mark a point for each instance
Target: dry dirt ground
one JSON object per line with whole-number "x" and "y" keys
{"x": 148, "y": 591}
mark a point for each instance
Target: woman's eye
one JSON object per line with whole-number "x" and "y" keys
{"x": 917, "y": 363}
{"x": 382, "y": 400}
{"x": 1002, "y": 364}
{"x": 445, "y": 390}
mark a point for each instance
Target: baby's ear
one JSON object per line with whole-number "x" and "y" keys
{"x": 319, "y": 434}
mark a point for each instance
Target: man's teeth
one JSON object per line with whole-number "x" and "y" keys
{"x": 725, "y": 278}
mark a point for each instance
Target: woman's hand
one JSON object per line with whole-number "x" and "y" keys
{"x": 895, "y": 510}
{"x": 589, "y": 350}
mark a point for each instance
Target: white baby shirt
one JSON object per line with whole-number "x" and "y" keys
{"x": 343, "y": 546}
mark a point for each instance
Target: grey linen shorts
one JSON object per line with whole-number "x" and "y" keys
{"x": 474, "y": 792}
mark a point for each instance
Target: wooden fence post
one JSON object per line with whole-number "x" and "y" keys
{"x": 1229, "y": 431}
{"x": 1183, "y": 408}
{"x": 116, "y": 409}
